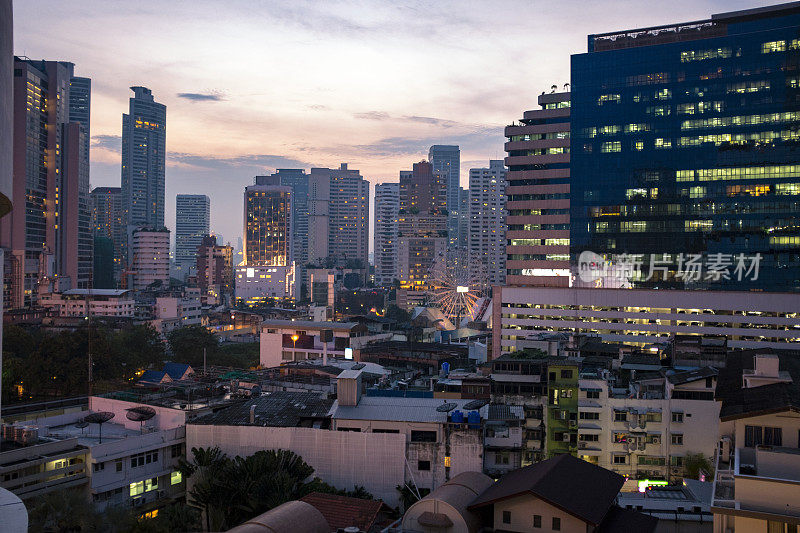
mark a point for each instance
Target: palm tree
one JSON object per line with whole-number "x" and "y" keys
{"x": 208, "y": 465}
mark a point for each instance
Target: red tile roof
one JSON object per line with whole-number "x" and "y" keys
{"x": 344, "y": 511}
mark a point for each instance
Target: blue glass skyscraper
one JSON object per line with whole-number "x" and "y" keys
{"x": 686, "y": 142}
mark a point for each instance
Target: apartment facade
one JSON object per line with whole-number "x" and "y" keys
{"x": 538, "y": 195}
{"x": 487, "y": 225}
{"x": 149, "y": 258}
{"x": 387, "y": 212}
{"x": 214, "y": 270}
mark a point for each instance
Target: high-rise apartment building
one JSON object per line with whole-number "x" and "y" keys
{"x": 387, "y": 210}
{"x": 192, "y": 223}
{"x": 338, "y": 218}
{"x": 446, "y": 160}
{"x": 214, "y": 271}
{"x": 297, "y": 179}
{"x": 49, "y": 235}
{"x": 149, "y": 258}
{"x": 80, "y": 106}
{"x": 108, "y": 221}
{"x": 538, "y": 195}
{"x": 463, "y": 217}
{"x": 487, "y": 224}
{"x": 422, "y": 236}
{"x": 267, "y": 270}
{"x": 144, "y": 135}
{"x": 684, "y": 151}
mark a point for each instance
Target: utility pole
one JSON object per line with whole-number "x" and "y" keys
{"x": 204, "y": 362}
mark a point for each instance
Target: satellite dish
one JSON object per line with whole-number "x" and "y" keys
{"x": 99, "y": 418}
{"x": 446, "y": 407}
{"x": 475, "y": 404}
{"x": 358, "y": 366}
{"x": 140, "y": 413}
{"x": 81, "y": 424}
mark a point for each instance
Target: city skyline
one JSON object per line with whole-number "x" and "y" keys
{"x": 368, "y": 113}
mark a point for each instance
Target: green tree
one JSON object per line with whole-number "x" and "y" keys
{"x": 696, "y": 463}
{"x": 63, "y": 511}
{"x": 187, "y": 344}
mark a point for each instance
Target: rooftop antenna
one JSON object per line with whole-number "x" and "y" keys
{"x": 566, "y": 86}
{"x": 553, "y": 88}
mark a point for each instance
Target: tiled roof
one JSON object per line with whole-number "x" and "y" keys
{"x": 176, "y": 370}
{"x": 153, "y": 376}
{"x": 506, "y": 412}
{"x": 343, "y": 511}
{"x": 577, "y": 487}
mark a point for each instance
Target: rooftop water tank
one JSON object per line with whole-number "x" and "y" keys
{"x": 474, "y": 419}
{"x": 457, "y": 417}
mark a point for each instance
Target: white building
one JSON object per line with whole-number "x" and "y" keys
{"x": 173, "y": 313}
{"x": 256, "y": 283}
{"x": 638, "y": 316}
{"x": 150, "y": 258}
{"x": 757, "y": 477}
{"x": 487, "y": 224}
{"x": 114, "y": 303}
{"x": 387, "y": 209}
{"x": 647, "y": 430}
{"x": 131, "y": 464}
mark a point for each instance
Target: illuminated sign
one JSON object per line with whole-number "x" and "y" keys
{"x": 447, "y": 461}
{"x": 251, "y": 272}
{"x": 645, "y": 483}
{"x": 461, "y": 288}
{"x": 560, "y": 272}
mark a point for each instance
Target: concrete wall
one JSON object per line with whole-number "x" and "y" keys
{"x": 343, "y": 459}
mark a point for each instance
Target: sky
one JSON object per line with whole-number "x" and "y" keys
{"x": 251, "y": 86}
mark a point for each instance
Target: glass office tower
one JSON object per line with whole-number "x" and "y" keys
{"x": 686, "y": 145}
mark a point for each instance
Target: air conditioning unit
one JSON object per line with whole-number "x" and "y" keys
{"x": 725, "y": 449}
{"x": 656, "y": 440}
{"x": 676, "y": 471}
{"x": 566, "y": 437}
{"x": 582, "y": 445}
{"x": 573, "y": 423}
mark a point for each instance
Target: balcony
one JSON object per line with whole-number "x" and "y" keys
{"x": 765, "y": 479}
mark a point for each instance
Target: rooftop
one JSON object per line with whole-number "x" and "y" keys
{"x": 573, "y": 485}
{"x": 308, "y": 324}
{"x": 343, "y": 511}
{"x": 95, "y": 292}
{"x": 275, "y": 409}
{"x": 399, "y": 409}
{"x": 687, "y": 376}
{"x": 740, "y": 402}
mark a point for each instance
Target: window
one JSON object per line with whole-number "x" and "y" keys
{"x": 176, "y": 450}
{"x": 502, "y": 458}
{"x": 537, "y": 520}
{"x": 677, "y": 439}
{"x": 423, "y": 436}
{"x": 773, "y": 436}
{"x": 620, "y": 416}
{"x": 99, "y": 466}
{"x": 588, "y": 437}
{"x": 141, "y": 459}
{"x": 556, "y": 524}
{"x": 593, "y": 394}
{"x": 676, "y": 460}
{"x": 175, "y": 478}
{"x": 424, "y": 465}
{"x": 774, "y": 527}
{"x": 566, "y": 374}
{"x": 119, "y": 466}
{"x": 506, "y": 517}
{"x": 619, "y": 460}
{"x": 752, "y": 436}
{"x": 585, "y": 415}
{"x": 677, "y": 417}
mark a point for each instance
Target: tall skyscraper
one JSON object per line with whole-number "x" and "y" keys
{"x": 192, "y": 223}
{"x": 538, "y": 195}
{"x": 297, "y": 179}
{"x": 446, "y": 159}
{"x": 80, "y": 106}
{"x": 387, "y": 210}
{"x": 108, "y": 222}
{"x": 144, "y": 135}
{"x": 463, "y": 216}
{"x": 338, "y": 219}
{"x": 422, "y": 228}
{"x": 487, "y": 224}
{"x": 48, "y": 235}
{"x": 684, "y": 151}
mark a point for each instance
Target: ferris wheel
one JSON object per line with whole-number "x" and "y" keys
{"x": 453, "y": 289}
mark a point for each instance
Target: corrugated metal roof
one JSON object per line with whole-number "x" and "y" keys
{"x": 399, "y": 409}
{"x": 276, "y": 409}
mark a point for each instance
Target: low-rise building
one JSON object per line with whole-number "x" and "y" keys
{"x": 115, "y": 303}
{"x": 172, "y": 313}
{"x": 757, "y": 474}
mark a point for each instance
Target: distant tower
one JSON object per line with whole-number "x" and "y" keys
{"x": 446, "y": 159}
{"x": 192, "y": 223}
{"x": 144, "y": 136}
{"x": 487, "y": 224}
{"x": 387, "y": 210}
